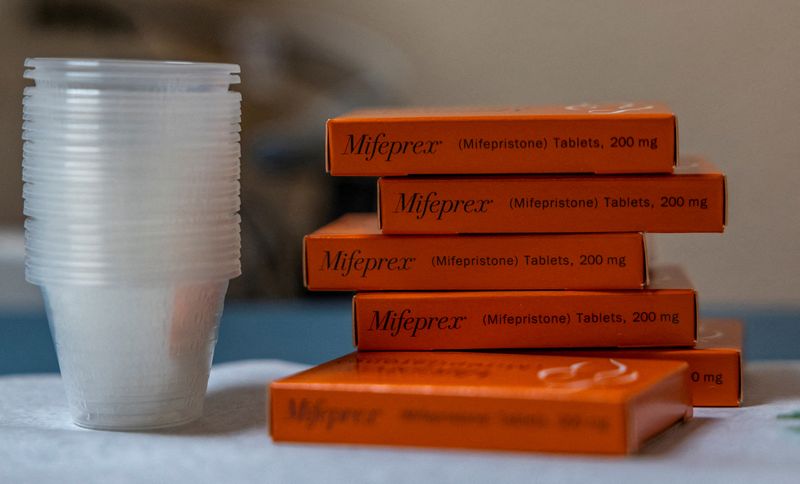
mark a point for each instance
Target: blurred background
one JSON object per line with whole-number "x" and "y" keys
{"x": 730, "y": 71}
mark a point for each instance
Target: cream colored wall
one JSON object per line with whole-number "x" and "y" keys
{"x": 731, "y": 71}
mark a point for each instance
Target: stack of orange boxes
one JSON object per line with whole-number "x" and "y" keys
{"x": 519, "y": 231}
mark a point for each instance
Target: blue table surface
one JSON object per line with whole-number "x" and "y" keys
{"x": 314, "y": 330}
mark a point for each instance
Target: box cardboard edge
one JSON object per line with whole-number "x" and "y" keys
{"x": 724, "y": 201}
{"x": 676, "y": 150}
{"x": 355, "y": 321}
{"x": 696, "y": 314}
{"x": 741, "y": 380}
{"x": 740, "y": 359}
{"x": 645, "y": 265}
{"x": 305, "y": 262}
{"x": 328, "y": 128}
{"x": 379, "y": 205}
{"x": 271, "y": 410}
{"x": 635, "y": 442}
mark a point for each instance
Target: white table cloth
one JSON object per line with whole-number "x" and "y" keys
{"x": 38, "y": 443}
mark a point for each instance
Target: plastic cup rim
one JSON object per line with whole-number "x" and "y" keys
{"x": 174, "y": 279}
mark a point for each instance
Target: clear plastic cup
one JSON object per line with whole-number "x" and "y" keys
{"x": 132, "y": 268}
{"x": 38, "y": 173}
{"x": 200, "y": 147}
{"x": 79, "y": 231}
{"x": 225, "y": 257}
{"x": 129, "y": 82}
{"x": 165, "y": 262}
{"x": 163, "y": 190}
{"x": 83, "y": 121}
{"x": 162, "y": 213}
{"x": 104, "y": 247}
{"x": 38, "y": 108}
{"x": 181, "y": 83}
{"x": 125, "y": 270}
{"x": 41, "y": 109}
{"x": 130, "y": 75}
{"x": 134, "y": 159}
{"x": 137, "y": 161}
{"x": 45, "y": 169}
{"x": 67, "y": 95}
{"x": 79, "y": 254}
{"x": 119, "y": 214}
{"x": 120, "y": 190}
{"x": 156, "y": 192}
{"x": 56, "y": 232}
{"x": 36, "y": 166}
{"x": 187, "y": 236}
{"x": 211, "y": 135}
{"x": 166, "y": 217}
{"x": 85, "y": 245}
{"x": 39, "y": 275}
{"x": 98, "y": 279}
{"x": 133, "y": 228}
{"x": 64, "y": 226}
{"x": 122, "y": 138}
{"x": 122, "y": 266}
{"x": 32, "y": 112}
{"x": 149, "y": 104}
{"x": 123, "y": 187}
{"x": 179, "y": 152}
{"x": 126, "y": 207}
{"x": 35, "y": 130}
{"x": 131, "y": 188}
{"x": 205, "y": 148}
{"x": 44, "y": 165}
{"x": 102, "y": 244}
{"x": 190, "y": 131}
{"x": 206, "y": 263}
{"x": 41, "y": 169}
{"x": 144, "y": 106}
{"x": 112, "y": 252}
{"x": 135, "y": 356}
{"x": 107, "y": 67}
{"x": 131, "y": 162}
{"x": 226, "y": 269}
{"x": 44, "y": 233}
{"x": 201, "y": 185}
{"x": 162, "y": 259}
{"x": 175, "y": 257}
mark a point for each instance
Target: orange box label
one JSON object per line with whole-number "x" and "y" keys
{"x": 664, "y": 314}
{"x": 484, "y": 401}
{"x": 583, "y": 138}
{"x": 352, "y": 254}
{"x": 715, "y": 364}
{"x": 691, "y": 200}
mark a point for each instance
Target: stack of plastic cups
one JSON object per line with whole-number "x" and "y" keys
{"x": 131, "y": 172}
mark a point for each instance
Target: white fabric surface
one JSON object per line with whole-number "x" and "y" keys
{"x": 38, "y": 443}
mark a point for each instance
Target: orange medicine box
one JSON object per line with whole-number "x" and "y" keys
{"x": 352, "y": 254}
{"x": 481, "y": 401}
{"x": 582, "y": 138}
{"x": 664, "y": 314}
{"x": 691, "y": 200}
{"x": 715, "y": 364}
